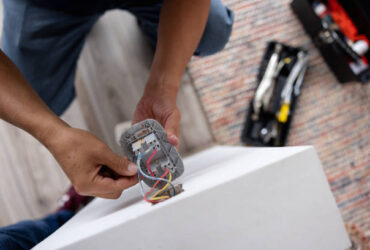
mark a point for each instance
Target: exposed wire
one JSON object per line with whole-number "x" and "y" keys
{"x": 149, "y": 160}
{"x": 153, "y": 198}
{"x": 154, "y": 186}
{"x": 141, "y": 185}
{"x": 140, "y": 156}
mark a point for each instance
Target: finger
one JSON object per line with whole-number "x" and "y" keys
{"x": 106, "y": 187}
{"x": 116, "y": 163}
{"x": 172, "y": 128}
{"x": 141, "y": 113}
{"x": 111, "y": 196}
{"x": 173, "y": 140}
{"x": 136, "y": 119}
{"x": 107, "y": 172}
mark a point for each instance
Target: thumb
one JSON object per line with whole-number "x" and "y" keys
{"x": 118, "y": 164}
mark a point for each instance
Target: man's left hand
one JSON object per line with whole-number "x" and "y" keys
{"x": 163, "y": 108}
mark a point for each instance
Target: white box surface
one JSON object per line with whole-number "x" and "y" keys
{"x": 235, "y": 198}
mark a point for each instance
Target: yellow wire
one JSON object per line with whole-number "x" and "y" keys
{"x": 160, "y": 198}
{"x": 160, "y": 191}
{"x": 153, "y": 198}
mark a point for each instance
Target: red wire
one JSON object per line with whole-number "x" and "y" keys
{"x": 149, "y": 160}
{"x": 155, "y": 184}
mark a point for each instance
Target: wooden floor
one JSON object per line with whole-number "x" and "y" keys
{"x": 31, "y": 180}
{"x": 112, "y": 73}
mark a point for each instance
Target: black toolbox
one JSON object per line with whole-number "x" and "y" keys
{"x": 253, "y": 127}
{"x": 359, "y": 12}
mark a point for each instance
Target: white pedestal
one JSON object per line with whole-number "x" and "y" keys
{"x": 235, "y": 198}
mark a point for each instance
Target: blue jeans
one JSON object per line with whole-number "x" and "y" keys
{"x": 26, "y": 234}
{"x": 45, "y": 43}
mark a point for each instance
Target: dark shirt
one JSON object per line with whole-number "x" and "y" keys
{"x": 88, "y": 7}
{"x": 80, "y": 7}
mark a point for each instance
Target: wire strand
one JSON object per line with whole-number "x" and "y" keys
{"x": 141, "y": 172}
{"x": 140, "y": 156}
{"x": 154, "y": 186}
{"x": 149, "y": 160}
{"x": 160, "y": 191}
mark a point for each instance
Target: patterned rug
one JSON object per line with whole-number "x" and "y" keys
{"x": 335, "y": 118}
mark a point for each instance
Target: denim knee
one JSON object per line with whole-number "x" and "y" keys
{"x": 217, "y": 31}
{"x": 8, "y": 243}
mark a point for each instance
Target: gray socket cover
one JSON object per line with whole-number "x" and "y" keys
{"x": 144, "y": 135}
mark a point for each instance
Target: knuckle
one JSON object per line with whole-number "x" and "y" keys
{"x": 122, "y": 162}
{"x": 100, "y": 148}
{"x": 130, "y": 182}
{"x": 80, "y": 188}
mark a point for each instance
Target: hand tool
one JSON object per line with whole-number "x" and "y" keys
{"x": 263, "y": 93}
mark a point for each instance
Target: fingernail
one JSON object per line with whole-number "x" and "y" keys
{"x": 132, "y": 168}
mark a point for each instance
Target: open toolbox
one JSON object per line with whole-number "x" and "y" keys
{"x": 270, "y": 112}
{"x": 340, "y": 29}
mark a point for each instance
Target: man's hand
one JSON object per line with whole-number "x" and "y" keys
{"x": 181, "y": 25}
{"x": 162, "y": 108}
{"x": 92, "y": 167}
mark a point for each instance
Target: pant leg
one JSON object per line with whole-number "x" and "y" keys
{"x": 45, "y": 45}
{"x": 26, "y": 234}
{"x": 218, "y": 29}
{"x": 216, "y": 34}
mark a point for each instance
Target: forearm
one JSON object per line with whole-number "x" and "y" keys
{"x": 21, "y": 106}
{"x": 181, "y": 26}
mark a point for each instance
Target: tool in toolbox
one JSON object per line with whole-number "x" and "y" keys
{"x": 280, "y": 78}
{"x": 295, "y": 76}
{"x": 340, "y": 29}
{"x": 265, "y": 89}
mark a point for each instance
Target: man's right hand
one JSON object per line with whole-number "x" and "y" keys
{"x": 92, "y": 167}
